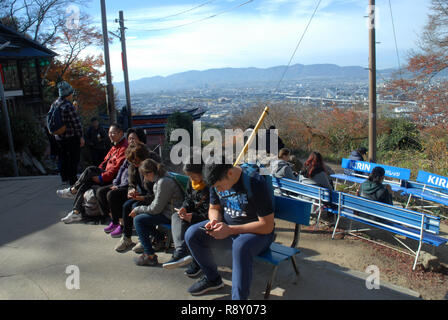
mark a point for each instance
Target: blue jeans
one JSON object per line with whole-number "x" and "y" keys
{"x": 145, "y": 225}
{"x": 244, "y": 248}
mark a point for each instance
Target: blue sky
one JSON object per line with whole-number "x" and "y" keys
{"x": 262, "y": 33}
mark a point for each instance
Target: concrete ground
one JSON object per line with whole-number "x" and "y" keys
{"x": 36, "y": 250}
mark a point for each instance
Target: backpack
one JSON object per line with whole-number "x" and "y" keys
{"x": 250, "y": 169}
{"x": 90, "y": 204}
{"x": 181, "y": 181}
{"x": 55, "y": 125}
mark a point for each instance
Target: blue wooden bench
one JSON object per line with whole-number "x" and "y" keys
{"x": 397, "y": 176}
{"x": 429, "y": 187}
{"x": 290, "y": 210}
{"x": 318, "y": 196}
{"x": 421, "y": 227}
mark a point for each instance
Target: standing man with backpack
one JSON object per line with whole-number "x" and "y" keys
{"x": 64, "y": 123}
{"x": 241, "y": 216}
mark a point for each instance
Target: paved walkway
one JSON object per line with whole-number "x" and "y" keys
{"x": 36, "y": 249}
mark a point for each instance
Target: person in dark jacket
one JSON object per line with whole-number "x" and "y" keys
{"x": 111, "y": 197}
{"x": 280, "y": 144}
{"x": 96, "y": 139}
{"x": 374, "y": 189}
{"x": 357, "y": 155}
{"x": 194, "y": 209}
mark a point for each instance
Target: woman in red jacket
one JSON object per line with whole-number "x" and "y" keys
{"x": 102, "y": 175}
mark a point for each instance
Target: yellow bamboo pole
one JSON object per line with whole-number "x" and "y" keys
{"x": 252, "y": 136}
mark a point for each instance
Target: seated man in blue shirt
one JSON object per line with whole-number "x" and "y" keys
{"x": 243, "y": 220}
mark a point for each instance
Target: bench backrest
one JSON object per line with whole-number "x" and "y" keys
{"x": 292, "y": 210}
{"x": 310, "y": 191}
{"x": 390, "y": 213}
{"x": 435, "y": 182}
{"x": 367, "y": 167}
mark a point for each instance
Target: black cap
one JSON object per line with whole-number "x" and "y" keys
{"x": 362, "y": 150}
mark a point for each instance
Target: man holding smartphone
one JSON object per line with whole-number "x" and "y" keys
{"x": 243, "y": 220}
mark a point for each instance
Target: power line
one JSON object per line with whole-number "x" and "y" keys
{"x": 163, "y": 18}
{"x": 172, "y": 15}
{"x": 196, "y": 21}
{"x": 298, "y": 44}
{"x": 395, "y": 40}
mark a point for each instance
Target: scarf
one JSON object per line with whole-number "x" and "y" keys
{"x": 198, "y": 185}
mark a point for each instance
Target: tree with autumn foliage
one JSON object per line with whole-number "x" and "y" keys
{"x": 85, "y": 76}
{"x": 66, "y": 29}
{"x": 83, "y": 73}
{"x": 73, "y": 39}
{"x": 426, "y": 66}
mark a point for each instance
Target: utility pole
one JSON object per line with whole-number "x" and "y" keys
{"x": 372, "y": 83}
{"x": 7, "y": 123}
{"x": 110, "y": 99}
{"x": 125, "y": 67}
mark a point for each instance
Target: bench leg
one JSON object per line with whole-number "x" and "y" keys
{"x": 409, "y": 200}
{"x": 294, "y": 265}
{"x": 416, "y": 255}
{"x": 169, "y": 239}
{"x": 316, "y": 226}
{"x": 270, "y": 282}
{"x": 335, "y": 227}
{"x": 296, "y": 238}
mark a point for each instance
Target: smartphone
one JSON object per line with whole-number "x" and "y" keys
{"x": 205, "y": 229}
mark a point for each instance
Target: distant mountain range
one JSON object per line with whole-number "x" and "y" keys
{"x": 242, "y": 76}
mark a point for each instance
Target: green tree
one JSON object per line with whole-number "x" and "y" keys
{"x": 178, "y": 120}
{"x": 402, "y": 135}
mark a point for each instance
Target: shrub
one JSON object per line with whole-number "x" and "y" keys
{"x": 178, "y": 120}
{"x": 27, "y": 132}
{"x": 6, "y": 167}
{"x": 401, "y": 135}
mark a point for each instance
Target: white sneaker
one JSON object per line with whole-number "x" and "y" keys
{"x": 138, "y": 248}
{"x": 65, "y": 193}
{"x": 71, "y": 217}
